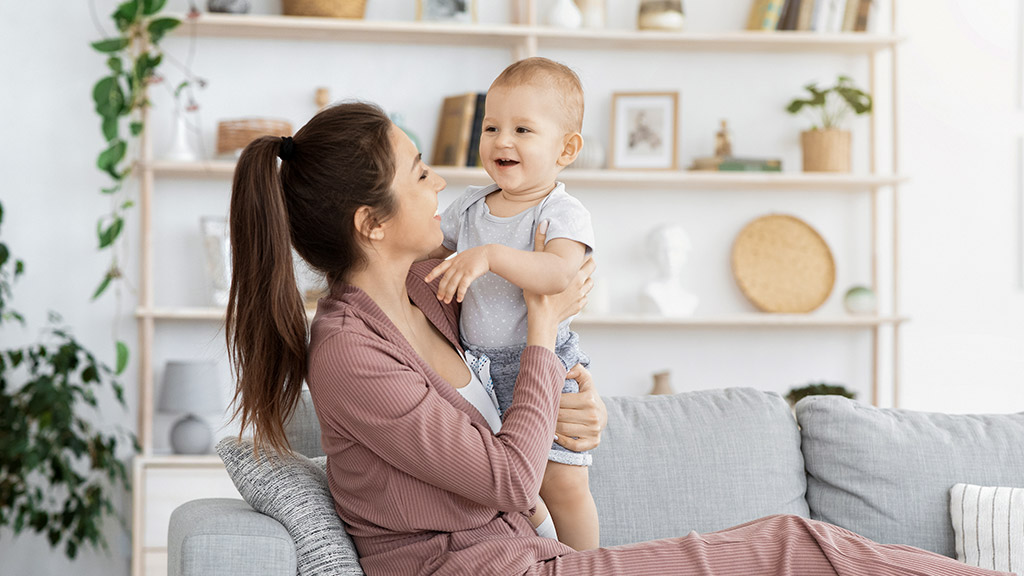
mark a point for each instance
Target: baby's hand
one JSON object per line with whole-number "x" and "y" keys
{"x": 459, "y": 272}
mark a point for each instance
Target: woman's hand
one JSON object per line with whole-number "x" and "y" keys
{"x": 581, "y": 416}
{"x": 544, "y": 313}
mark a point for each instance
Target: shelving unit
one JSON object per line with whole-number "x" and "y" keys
{"x": 523, "y": 40}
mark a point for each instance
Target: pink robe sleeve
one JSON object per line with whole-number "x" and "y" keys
{"x": 365, "y": 390}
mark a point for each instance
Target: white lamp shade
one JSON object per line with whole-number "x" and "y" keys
{"x": 190, "y": 387}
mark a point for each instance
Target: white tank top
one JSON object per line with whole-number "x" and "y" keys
{"x": 476, "y": 394}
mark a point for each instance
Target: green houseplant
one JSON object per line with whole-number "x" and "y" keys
{"x": 826, "y": 146}
{"x": 58, "y": 472}
{"x": 795, "y": 394}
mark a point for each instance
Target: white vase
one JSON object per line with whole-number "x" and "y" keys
{"x": 564, "y": 14}
{"x": 181, "y": 149}
{"x": 593, "y": 13}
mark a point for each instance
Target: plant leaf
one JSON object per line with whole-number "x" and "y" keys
{"x": 109, "y": 158}
{"x": 108, "y": 96}
{"x": 122, "y": 357}
{"x": 115, "y": 64}
{"x": 111, "y": 233}
{"x": 150, "y": 7}
{"x": 161, "y": 26}
{"x": 103, "y": 286}
{"x": 127, "y": 13}
{"x": 136, "y": 128}
{"x": 110, "y": 45}
{"x": 110, "y": 127}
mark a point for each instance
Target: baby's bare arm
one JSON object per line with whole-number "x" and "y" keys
{"x": 547, "y": 272}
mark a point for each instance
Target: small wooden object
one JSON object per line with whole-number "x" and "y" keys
{"x": 662, "y": 383}
{"x": 234, "y": 135}
{"x": 323, "y": 98}
{"x": 325, "y": 8}
{"x": 826, "y": 150}
{"x": 781, "y": 264}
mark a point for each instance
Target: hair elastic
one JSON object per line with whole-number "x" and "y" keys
{"x": 287, "y": 149}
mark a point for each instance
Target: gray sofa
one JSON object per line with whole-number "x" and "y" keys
{"x": 703, "y": 461}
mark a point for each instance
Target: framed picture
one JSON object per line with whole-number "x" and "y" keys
{"x": 645, "y": 130}
{"x": 446, "y": 10}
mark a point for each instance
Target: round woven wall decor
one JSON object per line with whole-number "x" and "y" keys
{"x": 781, "y": 264}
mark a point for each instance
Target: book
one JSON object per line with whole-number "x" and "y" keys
{"x": 863, "y": 11}
{"x": 772, "y": 12}
{"x": 734, "y": 164}
{"x": 451, "y": 144}
{"x": 790, "y": 12}
{"x": 756, "y": 15}
{"x": 473, "y": 154}
{"x": 850, "y": 17}
{"x": 836, "y": 12}
{"x": 819, "y": 21}
{"x": 803, "y": 19}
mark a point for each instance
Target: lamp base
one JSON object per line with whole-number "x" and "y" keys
{"x": 190, "y": 435}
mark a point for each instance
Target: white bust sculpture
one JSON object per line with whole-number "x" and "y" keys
{"x": 669, "y": 246}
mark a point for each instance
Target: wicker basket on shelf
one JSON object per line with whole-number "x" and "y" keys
{"x": 325, "y": 8}
{"x": 234, "y": 135}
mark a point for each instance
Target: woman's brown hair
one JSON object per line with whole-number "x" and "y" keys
{"x": 339, "y": 161}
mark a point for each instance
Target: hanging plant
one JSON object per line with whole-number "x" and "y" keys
{"x": 133, "y": 56}
{"x": 58, "y": 472}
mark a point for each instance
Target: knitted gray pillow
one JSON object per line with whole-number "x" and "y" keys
{"x": 293, "y": 490}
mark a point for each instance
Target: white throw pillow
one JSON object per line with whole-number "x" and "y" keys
{"x": 293, "y": 490}
{"x": 989, "y": 526}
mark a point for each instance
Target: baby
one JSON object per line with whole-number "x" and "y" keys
{"x": 531, "y": 131}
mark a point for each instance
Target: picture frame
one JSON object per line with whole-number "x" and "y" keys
{"x": 458, "y": 11}
{"x": 645, "y": 131}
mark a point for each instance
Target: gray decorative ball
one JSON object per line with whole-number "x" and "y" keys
{"x": 229, "y": 6}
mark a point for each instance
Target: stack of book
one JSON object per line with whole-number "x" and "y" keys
{"x": 458, "y": 130}
{"x": 737, "y": 164}
{"x": 810, "y": 15}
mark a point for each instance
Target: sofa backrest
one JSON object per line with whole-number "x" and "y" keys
{"x": 303, "y": 429}
{"x": 700, "y": 461}
{"x": 886, "y": 473}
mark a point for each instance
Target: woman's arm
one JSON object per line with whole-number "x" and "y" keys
{"x": 363, "y": 390}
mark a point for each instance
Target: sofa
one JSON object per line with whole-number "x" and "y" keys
{"x": 666, "y": 465}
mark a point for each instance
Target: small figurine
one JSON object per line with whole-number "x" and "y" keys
{"x": 723, "y": 142}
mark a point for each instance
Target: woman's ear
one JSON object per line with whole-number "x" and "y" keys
{"x": 366, "y": 225}
{"x": 573, "y": 143}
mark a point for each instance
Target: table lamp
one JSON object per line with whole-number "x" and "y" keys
{"x": 190, "y": 387}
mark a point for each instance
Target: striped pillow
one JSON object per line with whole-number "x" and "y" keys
{"x": 989, "y": 526}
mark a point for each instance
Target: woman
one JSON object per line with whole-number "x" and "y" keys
{"x": 417, "y": 474}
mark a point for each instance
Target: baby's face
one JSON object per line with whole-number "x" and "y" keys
{"x": 523, "y": 138}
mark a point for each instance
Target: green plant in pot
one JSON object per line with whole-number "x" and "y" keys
{"x": 58, "y": 472}
{"x": 827, "y": 146}
{"x": 795, "y": 394}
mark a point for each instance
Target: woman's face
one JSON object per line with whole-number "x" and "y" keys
{"x": 416, "y": 226}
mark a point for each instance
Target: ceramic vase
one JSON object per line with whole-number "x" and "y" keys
{"x": 564, "y": 14}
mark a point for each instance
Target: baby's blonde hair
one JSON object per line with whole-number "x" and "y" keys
{"x": 542, "y": 72}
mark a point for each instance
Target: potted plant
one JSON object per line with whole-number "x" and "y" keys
{"x": 817, "y": 389}
{"x": 826, "y": 146}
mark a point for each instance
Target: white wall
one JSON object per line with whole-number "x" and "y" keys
{"x": 960, "y": 123}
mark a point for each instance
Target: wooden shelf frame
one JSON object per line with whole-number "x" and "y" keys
{"x": 524, "y": 36}
{"x": 674, "y": 180}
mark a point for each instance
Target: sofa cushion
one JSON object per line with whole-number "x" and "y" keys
{"x": 293, "y": 490}
{"x": 886, "y": 473}
{"x": 988, "y": 526}
{"x": 695, "y": 461}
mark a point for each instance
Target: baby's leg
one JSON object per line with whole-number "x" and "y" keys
{"x": 566, "y": 490}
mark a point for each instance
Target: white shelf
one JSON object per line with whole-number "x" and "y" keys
{"x": 512, "y": 35}
{"x": 620, "y": 320}
{"x": 675, "y": 179}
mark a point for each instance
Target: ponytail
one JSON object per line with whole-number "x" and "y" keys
{"x": 266, "y": 320}
{"x": 339, "y": 162}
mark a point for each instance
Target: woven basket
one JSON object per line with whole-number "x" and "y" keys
{"x": 781, "y": 264}
{"x": 234, "y": 135}
{"x": 326, "y": 8}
